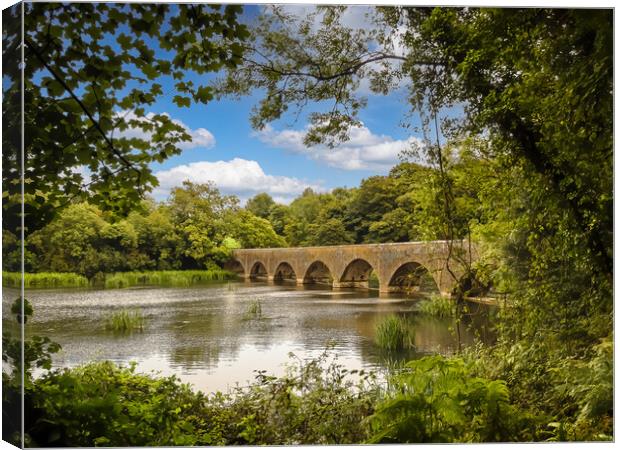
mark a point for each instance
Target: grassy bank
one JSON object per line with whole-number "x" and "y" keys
{"x": 44, "y": 280}
{"x": 117, "y": 280}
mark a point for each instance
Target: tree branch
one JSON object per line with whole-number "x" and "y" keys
{"x": 351, "y": 70}
{"x": 96, "y": 124}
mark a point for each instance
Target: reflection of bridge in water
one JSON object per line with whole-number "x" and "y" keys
{"x": 400, "y": 266}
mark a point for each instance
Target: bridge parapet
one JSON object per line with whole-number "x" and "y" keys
{"x": 351, "y": 265}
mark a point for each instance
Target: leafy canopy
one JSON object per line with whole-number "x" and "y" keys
{"x": 92, "y": 72}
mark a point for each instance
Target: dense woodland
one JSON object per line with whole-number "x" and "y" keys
{"x": 526, "y": 172}
{"x": 197, "y": 226}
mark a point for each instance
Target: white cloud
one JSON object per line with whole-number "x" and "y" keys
{"x": 364, "y": 150}
{"x": 240, "y": 177}
{"x": 201, "y": 137}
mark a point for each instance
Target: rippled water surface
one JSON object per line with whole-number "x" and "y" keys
{"x": 202, "y": 334}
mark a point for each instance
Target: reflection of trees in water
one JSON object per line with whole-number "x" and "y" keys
{"x": 195, "y": 337}
{"x": 202, "y": 339}
{"x": 193, "y": 357}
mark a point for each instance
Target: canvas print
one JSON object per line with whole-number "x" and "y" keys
{"x": 258, "y": 224}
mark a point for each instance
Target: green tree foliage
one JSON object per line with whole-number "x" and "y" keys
{"x": 82, "y": 241}
{"x": 198, "y": 212}
{"x": 90, "y": 76}
{"x": 196, "y": 228}
{"x": 329, "y": 232}
{"x": 251, "y": 231}
{"x": 526, "y": 169}
{"x": 37, "y": 354}
{"x": 260, "y": 205}
{"x": 279, "y": 217}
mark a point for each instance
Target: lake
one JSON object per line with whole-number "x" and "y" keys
{"x": 203, "y": 334}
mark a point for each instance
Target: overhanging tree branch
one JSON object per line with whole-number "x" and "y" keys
{"x": 95, "y": 123}
{"x": 348, "y": 71}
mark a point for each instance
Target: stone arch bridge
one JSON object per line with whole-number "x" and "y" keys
{"x": 398, "y": 266}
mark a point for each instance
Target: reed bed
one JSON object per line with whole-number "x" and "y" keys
{"x": 125, "y": 321}
{"x": 437, "y": 306}
{"x": 44, "y": 280}
{"x": 254, "y": 310}
{"x": 177, "y": 278}
{"x": 394, "y": 333}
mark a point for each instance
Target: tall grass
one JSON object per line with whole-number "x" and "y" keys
{"x": 125, "y": 321}
{"x": 44, "y": 280}
{"x": 253, "y": 310}
{"x": 177, "y": 278}
{"x": 117, "y": 280}
{"x": 394, "y": 333}
{"x": 437, "y": 306}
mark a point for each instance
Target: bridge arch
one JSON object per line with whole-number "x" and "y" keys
{"x": 356, "y": 274}
{"x": 318, "y": 273}
{"x": 413, "y": 277}
{"x": 235, "y": 266}
{"x": 284, "y": 272}
{"x": 258, "y": 270}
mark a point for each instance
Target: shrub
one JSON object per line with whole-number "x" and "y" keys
{"x": 437, "y": 400}
{"x": 315, "y": 402}
{"x": 101, "y": 404}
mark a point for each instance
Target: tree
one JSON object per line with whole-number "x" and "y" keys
{"x": 198, "y": 212}
{"x": 279, "y": 217}
{"x": 329, "y": 232}
{"x": 83, "y": 240}
{"x": 90, "y": 76}
{"x": 252, "y": 231}
{"x": 260, "y": 205}
{"x": 537, "y": 81}
{"x": 158, "y": 238}
{"x": 375, "y": 197}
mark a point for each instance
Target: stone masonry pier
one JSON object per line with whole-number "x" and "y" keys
{"x": 398, "y": 266}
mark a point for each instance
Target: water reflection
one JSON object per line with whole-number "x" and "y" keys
{"x": 203, "y": 335}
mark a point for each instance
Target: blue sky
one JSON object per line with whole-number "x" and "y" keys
{"x": 244, "y": 162}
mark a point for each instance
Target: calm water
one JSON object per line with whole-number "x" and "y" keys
{"x": 201, "y": 335}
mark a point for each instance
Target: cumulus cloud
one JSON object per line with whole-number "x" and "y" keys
{"x": 201, "y": 137}
{"x": 241, "y": 177}
{"x": 363, "y": 151}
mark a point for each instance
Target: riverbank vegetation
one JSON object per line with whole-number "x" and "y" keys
{"x": 516, "y": 154}
{"x": 437, "y": 306}
{"x": 177, "y": 278}
{"x": 394, "y": 333}
{"x": 195, "y": 230}
{"x": 125, "y": 321}
{"x": 44, "y": 280}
